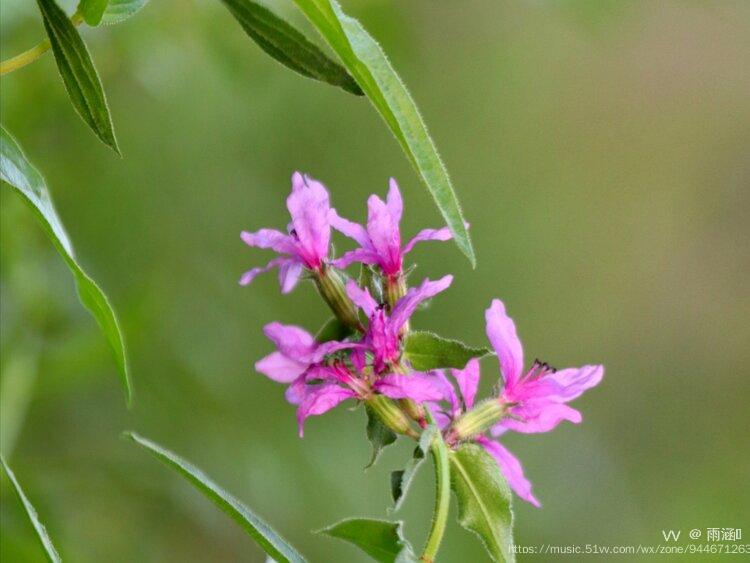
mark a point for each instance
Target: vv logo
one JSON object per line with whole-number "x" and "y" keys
{"x": 671, "y": 535}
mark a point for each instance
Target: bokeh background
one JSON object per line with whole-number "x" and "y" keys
{"x": 602, "y": 154}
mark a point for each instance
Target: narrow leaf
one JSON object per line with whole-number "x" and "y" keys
{"x": 41, "y": 532}
{"x": 379, "y": 436}
{"x": 119, "y": 10}
{"x": 380, "y": 539}
{"x": 20, "y": 175}
{"x": 484, "y": 499}
{"x": 401, "y": 479}
{"x": 426, "y": 350}
{"x": 265, "y": 536}
{"x": 92, "y": 10}
{"x": 333, "y": 329}
{"x": 78, "y": 73}
{"x": 365, "y": 60}
{"x": 288, "y": 46}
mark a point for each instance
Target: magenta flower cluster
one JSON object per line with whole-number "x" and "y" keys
{"x": 370, "y": 362}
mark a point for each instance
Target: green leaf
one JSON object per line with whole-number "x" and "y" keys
{"x": 265, "y": 536}
{"x": 402, "y": 478}
{"x": 92, "y": 10}
{"x": 333, "y": 329}
{"x": 365, "y": 60}
{"x": 41, "y": 532}
{"x": 378, "y": 434}
{"x": 20, "y": 175}
{"x": 426, "y": 350}
{"x": 288, "y": 46}
{"x": 78, "y": 73}
{"x": 119, "y": 10}
{"x": 484, "y": 499}
{"x": 380, "y": 539}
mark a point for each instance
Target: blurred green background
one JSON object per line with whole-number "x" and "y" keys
{"x": 601, "y": 151}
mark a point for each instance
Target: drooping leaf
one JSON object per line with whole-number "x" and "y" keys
{"x": 288, "y": 46}
{"x": 20, "y": 175}
{"x": 426, "y": 351}
{"x": 78, "y": 73}
{"x": 484, "y": 499}
{"x": 366, "y": 62}
{"x": 265, "y": 536}
{"x": 92, "y": 10}
{"x": 333, "y": 329}
{"x": 402, "y": 478}
{"x": 119, "y": 10}
{"x": 380, "y": 539}
{"x": 378, "y": 434}
{"x": 41, "y": 532}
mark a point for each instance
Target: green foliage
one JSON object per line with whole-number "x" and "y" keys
{"x": 484, "y": 499}
{"x": 426, "y": 350}
{"x": 378, "y": 434}
{"x": 119, "y": 10}
{"x": 365, "y": 60}
{"x": 265, "y": 536}
{"x": 21, "y": 175}
{"x": 78, "y": 73}
{"x": 41, "y": 532}
{"x": 402, "y": 478}
{"x": 288, "y": 46}
{"x": 380, "y": 539}
{"x": 92, "y": 10}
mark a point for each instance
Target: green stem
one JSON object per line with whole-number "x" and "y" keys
{"x": 28, "y": 57}
{"x": 442, "y": 496}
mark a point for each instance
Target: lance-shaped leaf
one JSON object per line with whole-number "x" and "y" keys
{"x": 365, "y": 60}
{"x": 380, "y": 539}
{"x": 41, "y": 532}
{"x": 402, "y": 478}
{"x": 20, "y": 175}
{"x": 426, "y": 351}
{"x": 119, "y": 10}
{"x": 484, "y": 499}
{"x": 92, "y": 10}
{"x": 265, "y": 536}
{"x": 288, "y": 46}
{"x": 378, "y": 434}
{"x": 78, "y": 73}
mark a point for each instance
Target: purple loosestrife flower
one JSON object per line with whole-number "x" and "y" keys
{"x": 380, "y": 242}
{"x": 383, "y": 333}
{"x": 306, "y": 245}
{"x": 536, "y": 399}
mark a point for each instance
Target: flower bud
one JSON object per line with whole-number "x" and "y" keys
{"x": 391, "y": 415}
{"x": 477, "y": 420}
{"x": 331, "y": 288}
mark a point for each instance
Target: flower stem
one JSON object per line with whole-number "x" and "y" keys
{"x": 439, "y": 453}
{"x": 29, "y": 56}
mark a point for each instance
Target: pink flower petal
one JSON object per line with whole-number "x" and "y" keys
{"x": 511, "y": 468}
{"x": 292, "y": 341}
{"x": 269, "y": 238}
{"x": 418, "y": 387}
{"x": 394, "y": 203}
{"x": 357, "y": 255}
{"x": 501, "y": 332}
{"x": 468, "y": 381}
{"x": 289, "y": 274}
{"x": 384, "y": 235}
{"x": 309, "y": 207}
{"x": 428, "y": 234}
{"x": 251, "y": 274}
{"x": 361, "y": 298}
{"x": 351, "y": 229}
{"x": 534, "y": 419}
{"x": 321, "y": 400}
{"x": 280, "y": 368}
{"x": 414, "y": 296}
{"x": 573, "y": 382}
{"x": 330, "y": 347}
